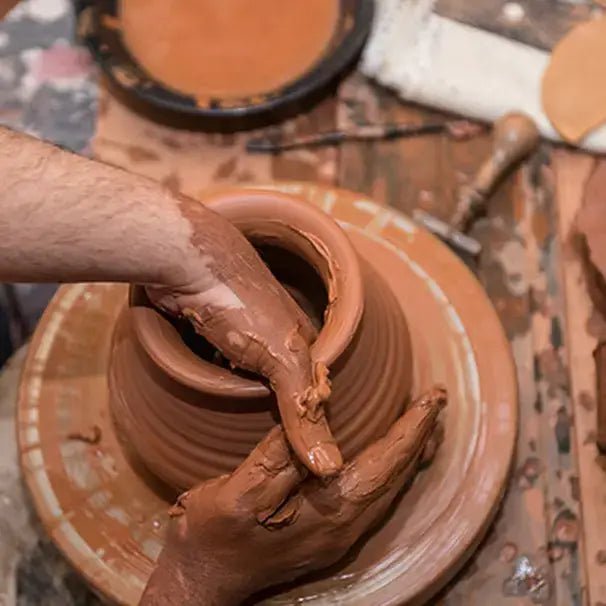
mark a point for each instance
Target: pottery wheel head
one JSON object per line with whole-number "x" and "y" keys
{"x": 108, "y": 518}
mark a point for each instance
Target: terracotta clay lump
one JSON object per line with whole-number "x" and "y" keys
{"x": 181, "y": 410}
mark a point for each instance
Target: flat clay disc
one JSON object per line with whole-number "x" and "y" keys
{"x": 109, "y": 521}
{"x": 574, "y": 83}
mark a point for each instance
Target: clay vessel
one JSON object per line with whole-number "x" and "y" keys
{"x": 181, "y": 410}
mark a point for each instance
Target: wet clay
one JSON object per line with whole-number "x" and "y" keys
{"x": 188, "y": 419}
{"x": 574, "y": 84}
{"x": 94, "y": 500}
{"x": 314, "y": 522}
{"x": 227, "y": 48}
{"x": 235, "y": 302}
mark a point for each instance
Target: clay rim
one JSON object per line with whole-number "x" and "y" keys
{"x": 290, "y": 223}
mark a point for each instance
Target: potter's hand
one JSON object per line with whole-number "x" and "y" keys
{"x": 225, "y": 533}
{"x": 69, "y": 219}
{"x": 236, "y": 303}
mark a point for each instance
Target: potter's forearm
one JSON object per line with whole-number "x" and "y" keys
{"x": 65, "y": 218}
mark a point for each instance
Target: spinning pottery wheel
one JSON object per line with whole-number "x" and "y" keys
{"x": 107, "y": 515}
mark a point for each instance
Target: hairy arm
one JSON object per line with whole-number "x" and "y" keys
{"x": 66, "y": 218}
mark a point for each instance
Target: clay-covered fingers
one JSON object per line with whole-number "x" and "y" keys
{"x": 390, "y": 462}
{"x": 264, "y": 481}
{"x": 304, "y": 324}
{"x": 304, "y": 420}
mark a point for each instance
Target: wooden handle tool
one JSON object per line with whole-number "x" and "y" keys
{"x": 515, "y": 136}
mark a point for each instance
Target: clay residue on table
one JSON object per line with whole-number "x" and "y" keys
{"x": 574, "y": 84}
{"x": 231, "y": 48}
{"x": 88, "y": 435}
{"x": 591, "y": 224}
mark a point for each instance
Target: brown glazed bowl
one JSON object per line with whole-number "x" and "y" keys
{"x": 182, "y": 412}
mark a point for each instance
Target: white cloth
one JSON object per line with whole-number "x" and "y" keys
{"x": 457, "y": 68}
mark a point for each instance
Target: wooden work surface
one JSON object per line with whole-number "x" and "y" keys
{"x": 538, "y": 547}
{"x": 548, "y": 543}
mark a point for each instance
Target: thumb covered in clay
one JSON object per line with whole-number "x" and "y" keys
{"x": 238, "y": 305}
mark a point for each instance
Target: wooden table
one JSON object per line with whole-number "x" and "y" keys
{"x": 522, "y": 272}
{"x": 538, "y": 530}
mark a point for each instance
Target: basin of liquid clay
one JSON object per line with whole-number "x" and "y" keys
{"x": 108, "y": 514}
{"x": 236, "y": 63}
{"x": 230, "y": 48}
{"x": 189, "y": 419}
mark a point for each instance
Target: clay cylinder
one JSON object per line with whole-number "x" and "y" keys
{"x": 188, "y": 417}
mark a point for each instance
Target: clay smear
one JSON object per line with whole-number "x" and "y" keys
{"x": 591, "y": 221}
{"x": 591, "y": 225}
{"x": 574, "y": 84}
{"x": 227, "y": 48}
{"x": 188, "y": 419}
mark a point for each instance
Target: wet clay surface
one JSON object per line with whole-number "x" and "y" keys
{"x": 109, "y": 520}
{"x": 315, "y": 522}
{"x": 189, "y": 421}
{"x": 232, "y": 48}
{"x": 185, "y": 435}
{"x": 253, "y": 322}
{"x": 574, "y": 84}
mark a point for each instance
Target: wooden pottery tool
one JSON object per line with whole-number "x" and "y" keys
{"x": 459, "y": 130}
{"x": 515, "y": 136}
{"x": 108, "y": 516}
